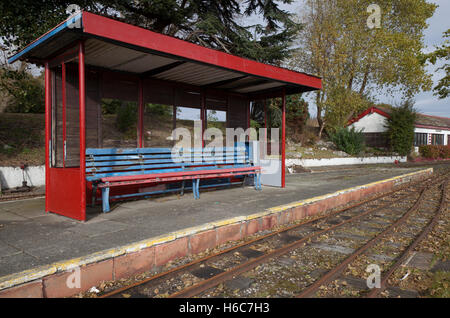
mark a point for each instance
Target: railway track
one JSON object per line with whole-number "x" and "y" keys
{"x": 207, "y": 276}
{"x": 6, "y": 198}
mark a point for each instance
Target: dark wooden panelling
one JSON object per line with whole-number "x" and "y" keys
{"x": 237, "y": 113}
{"x": 119, "y": 86}
{"x": 58, "y": 145}
{"x": 216, "y": 102}
{"x": 93, "y": 109}
{"x": 72, "y": 117}
{"x": 157, "y": 93}
{"x": 187, "y": 98}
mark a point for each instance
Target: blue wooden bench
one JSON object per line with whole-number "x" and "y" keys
{"x": 106, "y": 168}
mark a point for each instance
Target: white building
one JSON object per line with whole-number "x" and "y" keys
{"x": 429, "y": 130}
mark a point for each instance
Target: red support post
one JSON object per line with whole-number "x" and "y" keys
{"x": 265, "y": 114}
{"x": 265, "y": 123}
{"x": 63, "y": 84}
{"x": 141, "y": 115}
{"x": 203, "y": 117}
{"x": 248, "y": 114}
{"x": 283, "y": 140}
{"x": 48, "y": 101}
{"x": 82, "y": 99}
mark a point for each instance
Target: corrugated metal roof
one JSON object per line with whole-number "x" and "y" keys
{"x": 161, "y": 57}
{"x": 103, "y": 54}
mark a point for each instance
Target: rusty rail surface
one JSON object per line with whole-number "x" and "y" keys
{"x": 247, "y": 266}
{"x": 383, "y": 284}
{"x": 217, "y": 279}
{"x": 332, "y": 274}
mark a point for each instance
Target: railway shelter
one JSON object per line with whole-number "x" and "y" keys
{"x": 102, "y": 73}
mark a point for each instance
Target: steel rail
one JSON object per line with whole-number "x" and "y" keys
{"x": 384, "y": 282}
{"x": 245, "y": 267}
{"x": 330, "y": 275}
{"x": 261, "y": 238}
{"x": 20, "y": 197}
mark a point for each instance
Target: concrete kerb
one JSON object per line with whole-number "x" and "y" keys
{"x": 269, "y": 218}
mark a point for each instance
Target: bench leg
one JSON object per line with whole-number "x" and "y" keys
{"x": 182, "y": 187}
{"x": 105, "y": 199}
{"x": 94, "y": 194}
{"x": 195, "y": 188}
{"x": 258, "y": 181}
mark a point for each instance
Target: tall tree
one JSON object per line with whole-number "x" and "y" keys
{"x": 442, "y": 89}
{"x": 211, "y": 23}
{"x": 354, "y": 60}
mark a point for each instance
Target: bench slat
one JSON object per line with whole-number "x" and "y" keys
{"x": 99, "y": 176}
{"x": 148, "y": 167}
{"x": 132, "y": 151}
{"x": 229, "y": 159}
{"x": 192, "y": 174}
{"x": 92, "y": 158}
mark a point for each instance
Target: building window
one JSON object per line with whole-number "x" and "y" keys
{"x": 437, "y": 139}
{"x": 377, "y": 140}
{"x": 420, "y": 139}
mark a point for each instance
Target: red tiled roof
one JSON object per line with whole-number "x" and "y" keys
{"x": 421, "y": 120}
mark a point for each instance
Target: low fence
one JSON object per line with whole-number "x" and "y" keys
{"x": 343, "y": 161}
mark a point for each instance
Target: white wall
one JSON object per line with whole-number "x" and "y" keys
{"x": 11, "y": 177}
{"x": 343, "y": 161}
{"x": 371, "y": 123}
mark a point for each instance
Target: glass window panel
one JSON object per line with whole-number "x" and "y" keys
{"x": 158, "y": 125}
{"x": 119, "y": 123}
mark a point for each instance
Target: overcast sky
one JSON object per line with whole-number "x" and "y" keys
{"x": 426, "y": 102}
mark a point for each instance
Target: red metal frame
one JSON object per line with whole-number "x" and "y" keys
{"x": 64, "y": 194}
{"x": 248, "y": 115}
{"x": 265, "y": 123}
{"x": 283, "y": 140}
{"x": 63, "y": 79}
{"x": 203, "y": 116}
{"x": 82, "y": 99}
{"x": 119, "y": 31}
{"x": 48, "y": 99}
{"x": 140, "y": 125}
{"x": 66, "y": 187}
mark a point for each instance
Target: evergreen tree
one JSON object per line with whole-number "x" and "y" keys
{"x": 215, "y": 24}
{"x": 400, "y": 128}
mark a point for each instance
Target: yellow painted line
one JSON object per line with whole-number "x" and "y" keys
{"x": 224, "y": 222}
{"x": 67, "y": 265}
{"x": 193, "y": 230}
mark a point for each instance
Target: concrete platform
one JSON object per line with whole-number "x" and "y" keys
{"x": 39, "y": 250}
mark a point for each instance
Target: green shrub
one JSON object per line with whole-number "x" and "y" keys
{"x": 400, "y": 126}
{"x": 444, "y": 152}
{"x": 159, "y": 110}
{"x": 435, "y": 151}
{"x": 348, "y": 140}
{"x": 126, "y": 117}
{"x": 110, "y": 106}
